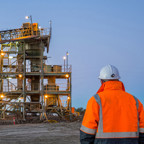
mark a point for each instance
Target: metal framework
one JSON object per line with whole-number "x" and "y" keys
{"x": 28, "y": 86}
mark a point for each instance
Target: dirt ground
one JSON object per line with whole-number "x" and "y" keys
{"x": 44, "y": 133}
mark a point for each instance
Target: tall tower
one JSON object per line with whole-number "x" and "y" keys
{"x": 28, "y": 86}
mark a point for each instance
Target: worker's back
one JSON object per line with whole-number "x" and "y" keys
{"x": 119, "y": 111}
{"x": 112, "y": 116}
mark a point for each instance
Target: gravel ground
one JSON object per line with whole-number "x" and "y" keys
{"x": 44, "y": 133}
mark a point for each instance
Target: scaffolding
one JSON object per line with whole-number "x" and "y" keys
{"x": 28, "y": 85}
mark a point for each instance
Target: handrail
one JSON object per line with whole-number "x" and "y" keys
{"x": 22, "y": 33}
{"x": 37, "y": 68}
{"x": 8, "y": 47}
{"x": 57, "y": 87}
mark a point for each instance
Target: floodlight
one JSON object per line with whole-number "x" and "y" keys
{"x": 26, "y": 17}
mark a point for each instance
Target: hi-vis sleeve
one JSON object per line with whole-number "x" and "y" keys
{"x": 141, "y": 117}
{"x": 141, "y": 123}
{"x": 91, "y": 117}
{"x": 90, "y": 122}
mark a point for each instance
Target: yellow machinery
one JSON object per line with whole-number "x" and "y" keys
{"x": 28, "y": 86}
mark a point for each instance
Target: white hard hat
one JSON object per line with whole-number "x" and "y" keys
{"x": 109, "y": 72}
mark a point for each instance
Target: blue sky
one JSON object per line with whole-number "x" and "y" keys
{"x": 95, "y": 32}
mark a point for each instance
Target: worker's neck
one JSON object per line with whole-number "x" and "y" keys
{"x": 103, "y": 81}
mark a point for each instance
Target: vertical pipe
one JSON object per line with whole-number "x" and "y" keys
{"x": 4, "y": 111}
{"x": 24, "y": 81}
{"x": 1, "y": 85}
{"x": 9, "y": 71}
{"x": 8, "y": 85}
{"x": 68, "y": 84}
{"x": 64, "y": 58}
{"x": 70, "y": 96}
{"x": 31, "y": 23}
{"x": 64, "y": 65}
{"x": 42, "y": 78}
{"x": 2, "y": 58}
{"x": 70, "y": 89}
{"x": 67, "y": 60}
{"x": 1, "y": 71}
{"x": 0, "y": 63}
{"x": 2, "y": 78}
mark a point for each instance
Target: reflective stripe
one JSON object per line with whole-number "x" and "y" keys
{"x": 101, "y": 134}
{"x": 88, "y": 130}
{"x": 137, "y": 105}
{"x": 117, "y": 135}
{"x": 100, "y": 123}
{"x": 141, "y": 130}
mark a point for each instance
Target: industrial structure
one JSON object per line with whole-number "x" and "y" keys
{"x": 28, "y": 85}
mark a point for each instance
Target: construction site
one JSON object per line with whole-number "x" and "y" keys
{"x": 28, "y": 85}
{"x": 71, "y": 72}
{"x": 35, "y": 97}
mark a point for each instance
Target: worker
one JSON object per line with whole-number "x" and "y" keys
{"x": 112, "y": 116}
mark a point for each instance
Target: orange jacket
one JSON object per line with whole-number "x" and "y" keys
{"x": 113, "y": 113}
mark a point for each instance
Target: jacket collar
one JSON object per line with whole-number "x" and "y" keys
{"x": 111, "y": 85}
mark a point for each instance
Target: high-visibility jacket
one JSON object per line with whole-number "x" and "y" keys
{"x": 113, "y": 116}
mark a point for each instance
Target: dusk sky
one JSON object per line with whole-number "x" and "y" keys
{"x": 94, "y": 32}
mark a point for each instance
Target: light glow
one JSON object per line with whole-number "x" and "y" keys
{"x": 26, "y": 17}
{"x": 67, "y": 76}
{"x": 2, "y": 96}
{"x": 2, "y": 54}
{"x": 64, "y": 57}
{"x": 68, "y": 98}
{"x": 46, "y": 96}
{"x": 20, "y": 75}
